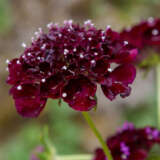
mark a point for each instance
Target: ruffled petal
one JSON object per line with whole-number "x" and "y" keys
{"x": 116, "y": 89}
{"x": 79, "y": 93}
{"x": 124, "y": 74}
{"x": 28, "y": 101}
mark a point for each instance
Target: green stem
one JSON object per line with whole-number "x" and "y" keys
{"x": 158, "y": 94}
{"x": 98, "y": 135}
{"x": 75, "y": 157}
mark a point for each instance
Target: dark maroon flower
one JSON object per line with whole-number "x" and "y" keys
{"x": 117, "y": 81}
{"x": 68, "y": 62}
{"x": 28, "y": 100}
{"x": 130, "y": 143}
{"x": 145, "y": 36}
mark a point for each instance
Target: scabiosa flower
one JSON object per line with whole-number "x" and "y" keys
{"x": 146, "y": 37}
{"x": 130, "y": 143}
{"x": 68, "y": 62}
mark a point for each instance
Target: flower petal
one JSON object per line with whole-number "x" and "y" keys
{"x": 124, "y": 73}
{"x": 28, "y": 101}
{"x": 116, "y": 88}
{"x": 51, "y": 88}
{"x": 79, "y": 93}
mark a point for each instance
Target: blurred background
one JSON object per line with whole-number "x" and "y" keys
{"x": 19, "y": 19}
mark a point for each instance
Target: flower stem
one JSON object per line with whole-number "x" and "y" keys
{"x": 98, "y": 135}
{"x": 158, "y": 93}
{"x": 75, "y": 157}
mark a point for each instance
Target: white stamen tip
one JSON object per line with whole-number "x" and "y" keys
{"x": 155, "y": 32}
{"x": 59, "y": 35}
{"x": 19, "y": 87}
{"x": 29, "y": 54}
{"x": 50, "y": 25}
{"x": 24, "y": 45}
{"x": 124, "y": 156}
{"x": 64, "y": 68}
{"x": 108, "y": 27}
{"x": 32, "y": 39}
{"x": 68, "y": 22}
{"x": 126, "y": 42}
{"x": 18, "y": 62}
{"x": 66, "y": 51}
{"x": 81, "y": 55}
{"x": 43, "y": 46}
{"x": 89, "y": 38}
{"x": 43, "y": 80}
{"x": 88, "y": 23}
{"x": 7, "y": 61}
{"x": 95, "y": 53}
{"x": 38, "y": 58}
{"x": 150, "y": 19}
{"x": 40, "y": 30}
{"x": 103, "y": 37}
{"x": 75, "y": 49}
{"x": 93, "y": 61}
{"x": 109, "y": 70}
{"x": 23, "y": 56}
{"x": 64, "y": 95}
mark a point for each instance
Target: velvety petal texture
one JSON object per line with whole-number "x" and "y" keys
{"x": 130, "y": 143}
{"x": 28, "y": 101}
{"x": 119, "y": 81}
{"x": 67, "y": 63}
